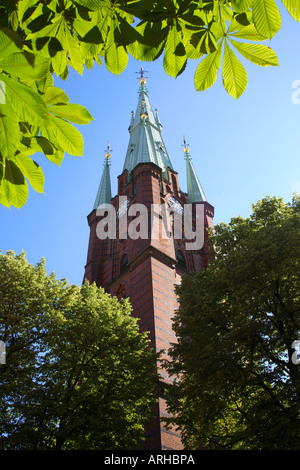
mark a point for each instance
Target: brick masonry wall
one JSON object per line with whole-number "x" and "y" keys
{"x": 149, "y": 277}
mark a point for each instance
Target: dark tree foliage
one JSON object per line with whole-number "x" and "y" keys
{"x": 239, "y": 334}
{"x": 78, "y": 374}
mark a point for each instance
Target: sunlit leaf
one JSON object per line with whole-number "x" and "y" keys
{"x": 206, "y": 73}
{"x": 55, "y": 95}
{"x": 293, "y": 7}
{"x": 240, "y": 5}
{"x": 116, "y": 57}
{"x": 27, "y": 104}
{"x": 67, "y": 136}
{"x": 72, "y": 112}
{"x": 9, "y": 131}
{"x": 25, "y": 65}
{"x": 74, "y": 52}
{"x": 9, "y": 42}
{"x": 13, "y": 185}
{"x": 175, "y": 56}
{"x": 266, "y": 17}
{"x": 234, "y": 74}
{"x": 256, "y": 53}
{"x": 31, "y": 170}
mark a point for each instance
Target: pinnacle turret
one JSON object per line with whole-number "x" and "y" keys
{"x": 194, "y": 188}
{"x": 104, "y": 190}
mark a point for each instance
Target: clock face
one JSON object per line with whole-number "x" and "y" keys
{"x": 123, "y": 208}
{"x": 176, "y": 205}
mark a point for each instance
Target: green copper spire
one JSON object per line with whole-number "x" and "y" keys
{"x": 194, "y": 188}
{"x": 146, "y": 143}
{"x": 104, "y": 190}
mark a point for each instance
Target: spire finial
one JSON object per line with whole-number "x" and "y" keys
{"x": 185, "y": 145}
{"x": 142, "y": 78}
{"x": 107, "y": 153}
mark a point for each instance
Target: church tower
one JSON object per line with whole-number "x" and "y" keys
{"x": 146, "y": 237}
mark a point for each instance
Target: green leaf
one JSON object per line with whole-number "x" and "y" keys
{"x": 67, "y": 136}
{"x": 266, "y": 17}
{"x": 31, "y": 170}
{"x": 24, "y": 6}
{"x": 234, "y": 74}
{"x": 293, "y": 7}
{"x": 13, "y": 186}
{"x": 57, "y": 157}
{"x": 9, "y": 131}
{"x": 51, "y": 30}
{"x": 206, "y": 73}
{"x": 245, "y": 32}
{"x": 25, "y": 65}
{"x": 116, "y": 57}
{"x": 150, "y": 45}
{"x": 175, "y": 56}
{"x": 256, "y": 53}
{"x": 92, "y": 4}
{"x": 72, "y": 112}
{"x": 76, "y": 60}
{"x": 53, "y": 153}
{"x": 204, "y": 42}
{"x": 240, "y": 6}
{"x": 9, "y": 42}
{"x": 59, "y": 62}
{"x": 27, "y": 104}
{"x": 55, "y": 95}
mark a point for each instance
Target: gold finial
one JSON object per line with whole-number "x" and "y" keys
{"x": 107, "y": 154}
{"x": 142, "y": 78}
{"x": 186, "y": 149}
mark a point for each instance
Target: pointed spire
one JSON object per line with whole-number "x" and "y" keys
{"x": 146, "y": 142}
{"x": 104, "y": 190}
{"x": 157, "y": 118}
{"x": 194, "y": 188}
{"x": 131, "y": 122}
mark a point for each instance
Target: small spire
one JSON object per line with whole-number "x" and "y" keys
{"x": 157, "y": 118}
{"x": 194, "y": 188}
{"x": 131, "y": 121}
{"x": 104, "y": 190}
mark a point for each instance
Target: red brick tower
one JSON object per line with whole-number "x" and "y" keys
{"x": 142, "y": 252}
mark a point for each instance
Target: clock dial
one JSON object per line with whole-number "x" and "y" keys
{"x": 175, "y": 205}
{"x": 123, "y": 208}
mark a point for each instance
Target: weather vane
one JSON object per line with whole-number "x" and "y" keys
{"x": 108, "y": 150}
{"x": 185, "y": 145}
{"x": 142, "y": 78}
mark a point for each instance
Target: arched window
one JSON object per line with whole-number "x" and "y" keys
{"x": 174, "y": 184}
{"x": 180, "y": 259}
{"x": 121, "y": 292}
{"x": 124, "y": 262}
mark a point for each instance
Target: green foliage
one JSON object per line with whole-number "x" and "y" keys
{"x": 42, "y": 39}
{"x": 78, "y": 373}
{"x": 238, "y": 320}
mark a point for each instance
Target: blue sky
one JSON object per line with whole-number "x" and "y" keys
{"x": 242, "y": 150}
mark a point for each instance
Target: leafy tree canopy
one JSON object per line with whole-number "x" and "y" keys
{"x": 238, "y": 327}
{"x": 78, "y": 374}
{"x": 39, "y": 39}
